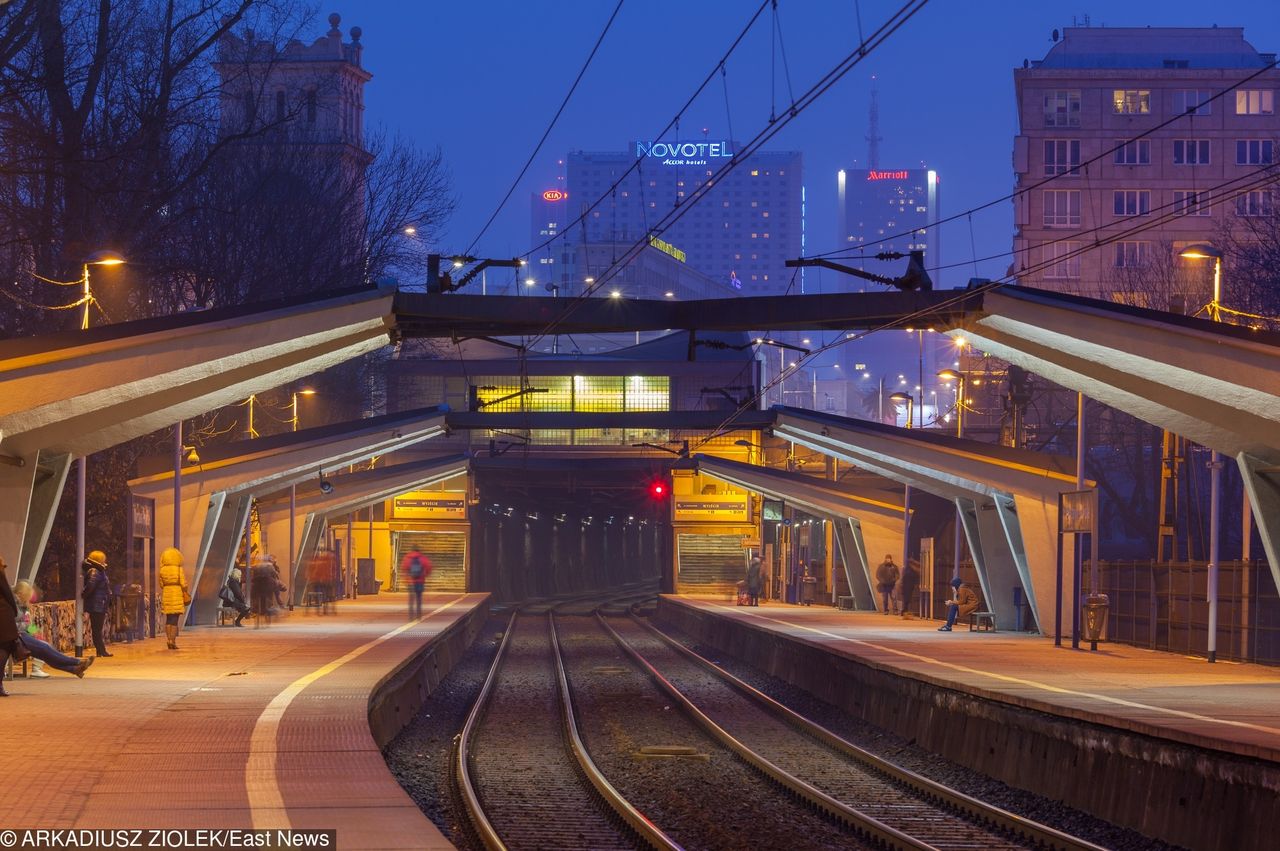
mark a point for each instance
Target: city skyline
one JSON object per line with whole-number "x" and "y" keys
{"x": 919, "y": 107}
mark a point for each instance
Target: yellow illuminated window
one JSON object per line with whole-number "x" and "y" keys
{"x": 755, "y": 172}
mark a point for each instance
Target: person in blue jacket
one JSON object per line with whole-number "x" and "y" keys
{"x": 97, "y": 596}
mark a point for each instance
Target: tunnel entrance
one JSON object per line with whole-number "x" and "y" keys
{"x": 544, "y": 527}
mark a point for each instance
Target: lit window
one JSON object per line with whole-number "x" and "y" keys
{"x": 755, "y": 203}
{"x": 755, "y": 172}
{"x": 1131, "y": 202}
{"x": 1060, "y": 157}
{"x": 1134, "y": 153}
{"x": 1062, "y": 108}
{"x": 1192, "y": 102}
{"x": 1255, "y": 102}
{"x": 1131, "y": 255}
{"x": 1131, "y": 101}
{"x": 1062, "y": 259}
{"x": 1191, "y": 202}
{"x": 765, "y": 214}
{"x": 1061, "y": 208}
{"x": 1190, "y": 151}
{"x": 1254, "y": 151}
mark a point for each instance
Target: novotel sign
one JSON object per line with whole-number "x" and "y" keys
{"x": 554, "y": 195}
{"x": 685, "y": 153}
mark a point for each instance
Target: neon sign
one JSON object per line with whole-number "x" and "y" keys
{"x": 667, "y": 248}
{"x": 685, "y": 153}
{"x": 887, "y": 175}
{"x": 554, "y": 195}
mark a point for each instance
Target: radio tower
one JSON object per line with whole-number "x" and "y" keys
{"x": 873, "y": 129}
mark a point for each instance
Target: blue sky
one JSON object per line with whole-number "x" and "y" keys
{"x": 481, "y": 80}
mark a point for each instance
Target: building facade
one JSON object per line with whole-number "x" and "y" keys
{"x": 1144, "y": 199}
{"x": 739, "y": 234}
{"x": 887, "y": 210}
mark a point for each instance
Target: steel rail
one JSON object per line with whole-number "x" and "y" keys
{"x": 869, "y": 827}
{"x": 982, "y": 812}
{"x": 645, "y": 829}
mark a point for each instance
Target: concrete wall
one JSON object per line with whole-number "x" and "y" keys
{"x": 397, "y": 698}
{"x": 1189, "y": 796}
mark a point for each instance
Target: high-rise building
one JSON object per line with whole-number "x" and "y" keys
{"x": 888, "y": 210}
{"x": 740, "y": 233}
{"x": 1100, "y": 89}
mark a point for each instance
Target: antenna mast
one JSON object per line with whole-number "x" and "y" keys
{"x": 873, "y": 129}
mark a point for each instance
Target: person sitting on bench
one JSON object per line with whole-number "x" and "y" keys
{"x": 962, "y": 604}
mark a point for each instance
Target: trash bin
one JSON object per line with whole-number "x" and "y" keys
{"x": 808, "y": 590}
{"x": 1095, "y": 616}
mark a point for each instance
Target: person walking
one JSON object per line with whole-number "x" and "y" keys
{"x": 907, "y": 585}
{"x": 174, "y": 596}
{"x": 264, "y": 585}
{"x": 755, "y": 582}
{"x": 9, "y": 643}
{"x": 233, "y": 596}
{"x": 962, "y": 604}
{"x": 886, "y": 578}
{"x": 97, "y": 596}
{"x": 41, "y": 652}
{"x": 414, "y": 570}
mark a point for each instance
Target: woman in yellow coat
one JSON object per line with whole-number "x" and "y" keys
{"x": 174, "y": 596}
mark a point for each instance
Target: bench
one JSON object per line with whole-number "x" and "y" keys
{"x": 982, "y": 621}
{"x": 9, "y": 666}
{"x": 844, "y": 604}
{"x": 225, "y": 614}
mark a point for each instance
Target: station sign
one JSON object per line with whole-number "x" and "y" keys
{"x": 704, "y": 507}
{"x": 430, "y": 505}
{"x": 685, "y": 153}
{"x": 554, "y": 195}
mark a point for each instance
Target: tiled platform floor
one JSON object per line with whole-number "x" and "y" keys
{"x": 238, "y": 728}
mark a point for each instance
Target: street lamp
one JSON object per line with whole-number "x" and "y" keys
{"x": 904, "y": 399}
{"x": 1204, "y": 251}
{"x": 952, "y": 375}
{"x": 97, "y": 258}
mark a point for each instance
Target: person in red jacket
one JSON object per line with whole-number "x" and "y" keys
{"x": 414, "y": 570}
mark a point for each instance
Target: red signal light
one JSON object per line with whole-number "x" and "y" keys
{"x": 658, "y": 490}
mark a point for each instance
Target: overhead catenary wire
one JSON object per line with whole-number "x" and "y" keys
{"x": 1270, "y": 178}
{"x": 551, "y": 125}
{"x": 807, "y": 99}
{"x": 1068, "y": 173}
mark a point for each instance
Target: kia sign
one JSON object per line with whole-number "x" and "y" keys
{"x": 554, "y": 195}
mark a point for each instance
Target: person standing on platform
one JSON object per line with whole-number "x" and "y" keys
{"x": 886, "y": 579}
{"x": 41, "y": 652}
{"x": 414, "y": 570}
{"x": 755, "y": 582}
{"x": 174, "y": 596}
{"x": 97, "y": 597}
{"x": 962, "y": 604}
{"x": 9, "y": 643}
{"x": 907, "y": 585}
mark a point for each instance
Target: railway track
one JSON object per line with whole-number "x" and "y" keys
{"x": 876, "y": 799}
{"x": 523, "y": 775}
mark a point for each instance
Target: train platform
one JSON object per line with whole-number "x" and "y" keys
{"x": 1224, "y": 706}
{"x": 274, "y": 727}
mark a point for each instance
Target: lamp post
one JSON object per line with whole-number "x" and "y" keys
{"x": 950, "y": 375}
{"x": 1203, "y": 251}
{"x": 98, "y": 258}
{"x": 813, "y": 374}
{"x": 904, "y": 399}
{"x": 293, "y": 488}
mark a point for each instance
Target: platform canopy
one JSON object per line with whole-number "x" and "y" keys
{"x": 866, "y": 523}
{"x": 1007, "y": 498}
{"x": 71, "y": 394}
{"x": 351, "y": 493}
{"x": 217, "y": 492}
{"x": 1213, "y": 383}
